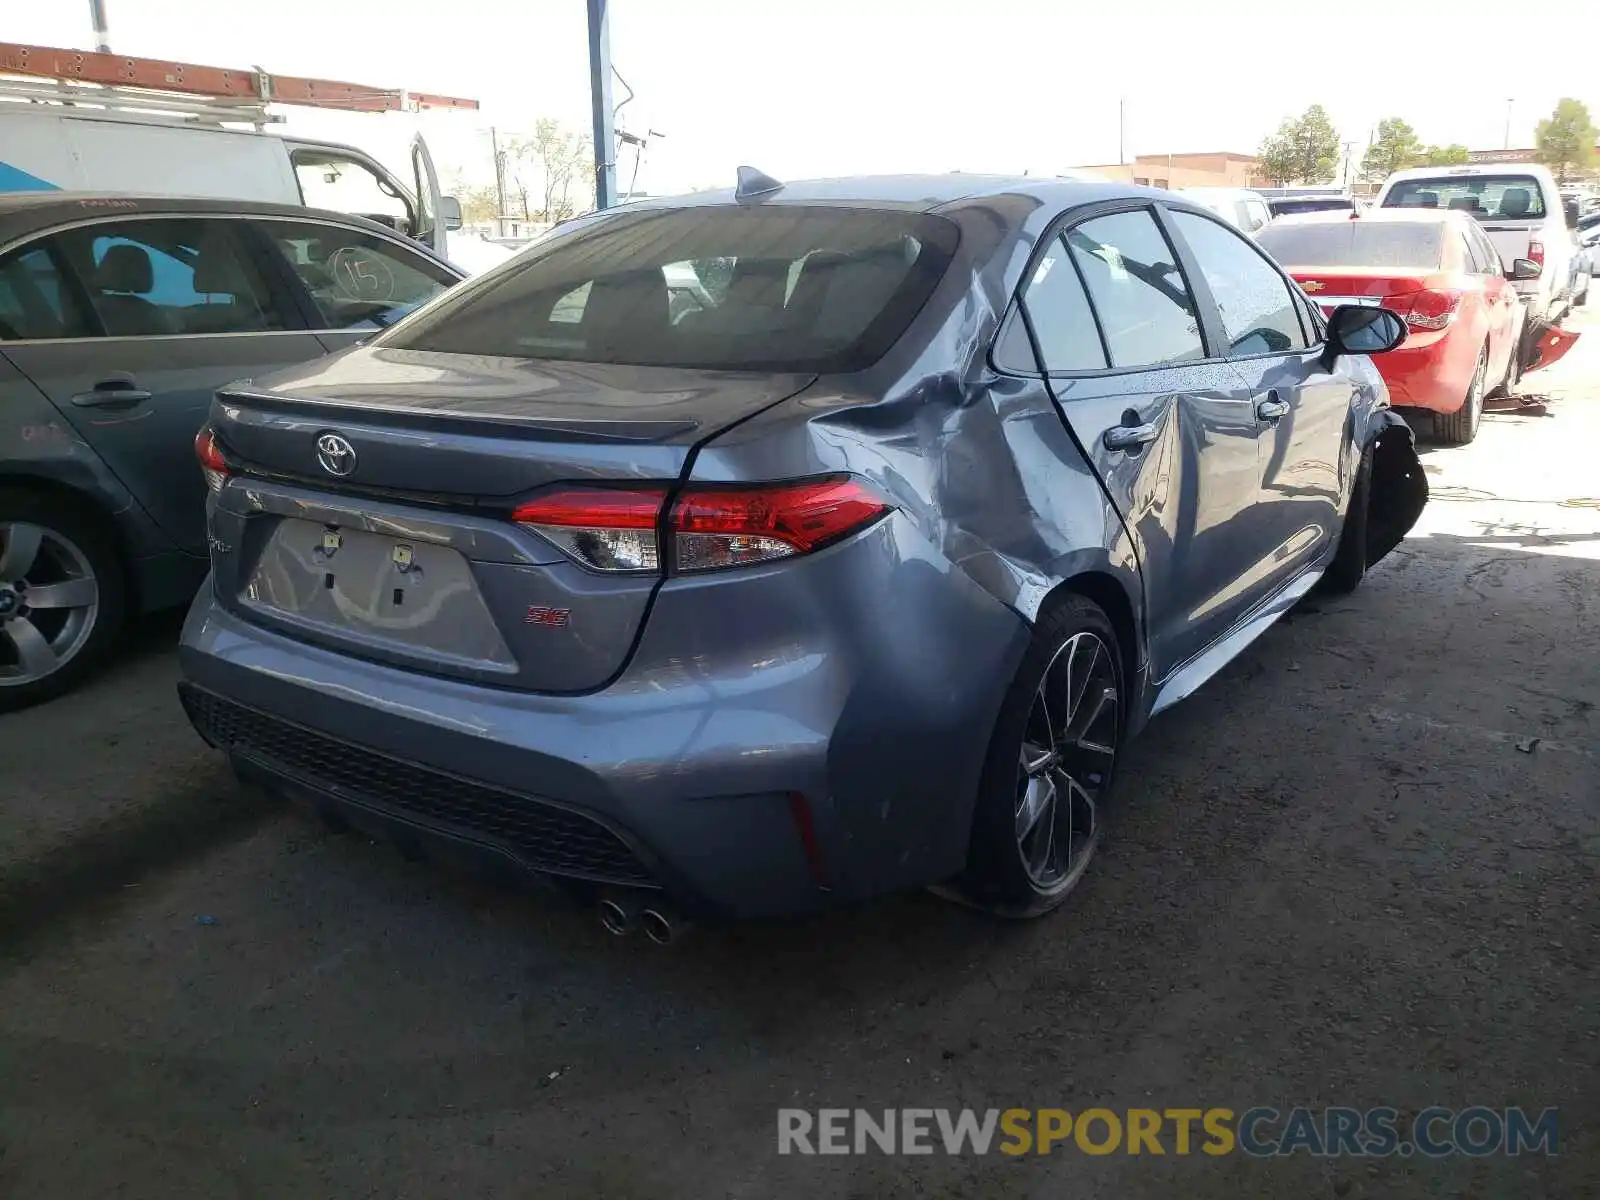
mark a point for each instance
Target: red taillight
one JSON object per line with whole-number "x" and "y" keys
{"x": 616, "y": 529}
{"x": 609, "y": 529}
{"x": 1536, "y": 252}
{"x": 726, "y": 527}
{"x": 1433, "y": 309}
{"x": 213, "y": 464}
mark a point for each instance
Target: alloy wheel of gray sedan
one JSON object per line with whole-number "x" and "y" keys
{"x": 1068, "y": 751}
{"x": 49, "y": 602}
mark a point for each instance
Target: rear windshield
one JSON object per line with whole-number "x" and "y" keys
{"x": 780, "y": 287}
{"x": 1355, "y": 243}
{"x": 1487, "y": 197}
{"x": 1305, "y": 204}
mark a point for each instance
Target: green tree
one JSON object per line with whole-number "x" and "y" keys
{"x": 1395, "y": 148}
{"x": 479, "y": 206}
{"x": 1566, "y": 140}
{"x": 1453, "y": 155}
{"x": 1304, "y": 150}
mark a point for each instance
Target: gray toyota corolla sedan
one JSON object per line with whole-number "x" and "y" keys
{"x": 850, "y": 568}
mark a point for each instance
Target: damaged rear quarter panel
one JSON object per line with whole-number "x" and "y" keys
{"x": 982, "y": 464}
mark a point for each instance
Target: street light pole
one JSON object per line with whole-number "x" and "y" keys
{"x": 97, "y": 14}
{"x": 605, "y": 140}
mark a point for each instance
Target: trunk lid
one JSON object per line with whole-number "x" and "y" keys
{"x": 400, "y": 547}
{"x": 1331, "y": 287}
{"x": 473, "y": 428}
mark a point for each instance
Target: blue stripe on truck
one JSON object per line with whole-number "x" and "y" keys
{"x": 15, "y": 179}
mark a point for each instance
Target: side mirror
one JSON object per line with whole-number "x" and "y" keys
{"x": 1356, "y": 329}
{"x": 1524, "y": 269}
{"x": 450, "y": 212}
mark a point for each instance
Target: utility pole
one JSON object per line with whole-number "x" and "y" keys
{"x": 499, "y": 182}
{"x": 1507, "y": 140}
{"x": 1122, "y": 131}
{"x": 97, "y": 14}
{"x": 1349, "y": 161}
{"x": 605, "y": 140}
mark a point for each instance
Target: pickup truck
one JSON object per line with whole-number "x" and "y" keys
{"x": 1519, "y": 206}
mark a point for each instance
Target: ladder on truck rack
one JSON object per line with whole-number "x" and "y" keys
{"x": 188, "y": 90}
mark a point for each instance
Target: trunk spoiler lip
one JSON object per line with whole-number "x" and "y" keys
{"x": 504, "y": 425}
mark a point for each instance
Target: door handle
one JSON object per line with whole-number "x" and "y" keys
{"x": 1273, "y": 408}
{"x": 111, "y": 393}
{"x": 1128, "y": 437}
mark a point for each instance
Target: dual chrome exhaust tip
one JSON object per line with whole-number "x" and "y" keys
{"x": 660, "y": 924}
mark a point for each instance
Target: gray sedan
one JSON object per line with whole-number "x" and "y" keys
{"x": 119, "y": 318}
{"x": 856, "y": 575}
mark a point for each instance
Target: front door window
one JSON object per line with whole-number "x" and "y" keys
{"x": 344, "y": 184}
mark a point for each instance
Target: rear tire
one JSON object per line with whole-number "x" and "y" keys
{"x": 1460, "y": 427}
{"x": 53, "y": 548}
{"x": 1050, "y": 765}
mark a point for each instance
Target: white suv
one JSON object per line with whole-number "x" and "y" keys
{"x": 1518, "y": 205}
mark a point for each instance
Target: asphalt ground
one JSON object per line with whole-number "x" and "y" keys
{"x": 1357, "y": 869}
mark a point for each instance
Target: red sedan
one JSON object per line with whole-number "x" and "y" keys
{"x": 1436, "y": 269}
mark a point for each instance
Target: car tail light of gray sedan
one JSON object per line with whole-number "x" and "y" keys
{"x": 767, "y": 549}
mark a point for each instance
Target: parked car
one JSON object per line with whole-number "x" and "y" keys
{"x": 1290, "y": 205}
{"x": 119, "y": 318}
{"x": 1437, "y": 270}
{"x": 820, "y": 592}
{"x": 1588, "y": 235}
{"x": 1518, "y": 205}
{"x": 1240, "y": 207}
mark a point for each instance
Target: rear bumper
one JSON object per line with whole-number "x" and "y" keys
{"x": 1430, "y": 370}
{"x": 865, "y": 680}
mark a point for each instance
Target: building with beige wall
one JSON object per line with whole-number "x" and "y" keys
{"x": 1210, "y": 169}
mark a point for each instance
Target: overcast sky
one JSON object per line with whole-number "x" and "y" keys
{"x": 815, "y": 87}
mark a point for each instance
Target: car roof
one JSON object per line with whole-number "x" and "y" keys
{"x": 23, "y": 213}
{"x": 917, "y": 193}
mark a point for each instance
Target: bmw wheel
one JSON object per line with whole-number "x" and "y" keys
{"x": 61, "y": 597}
{"x": 1050, "y": 765}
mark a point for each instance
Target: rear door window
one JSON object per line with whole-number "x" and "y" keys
{"x": 357, "y": 279}
{"x": 35, "y": 301}
{"x": 169, "y": 276}
{"x": 780, "y": 287}
{"x": 1058, "y": 308}
{"x": 1486, "y": 197}
{"x": 1142, "y": 298}
{"x": 1487, "y": 256}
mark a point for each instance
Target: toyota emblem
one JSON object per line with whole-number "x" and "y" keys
{"x": 336, "y": 454}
